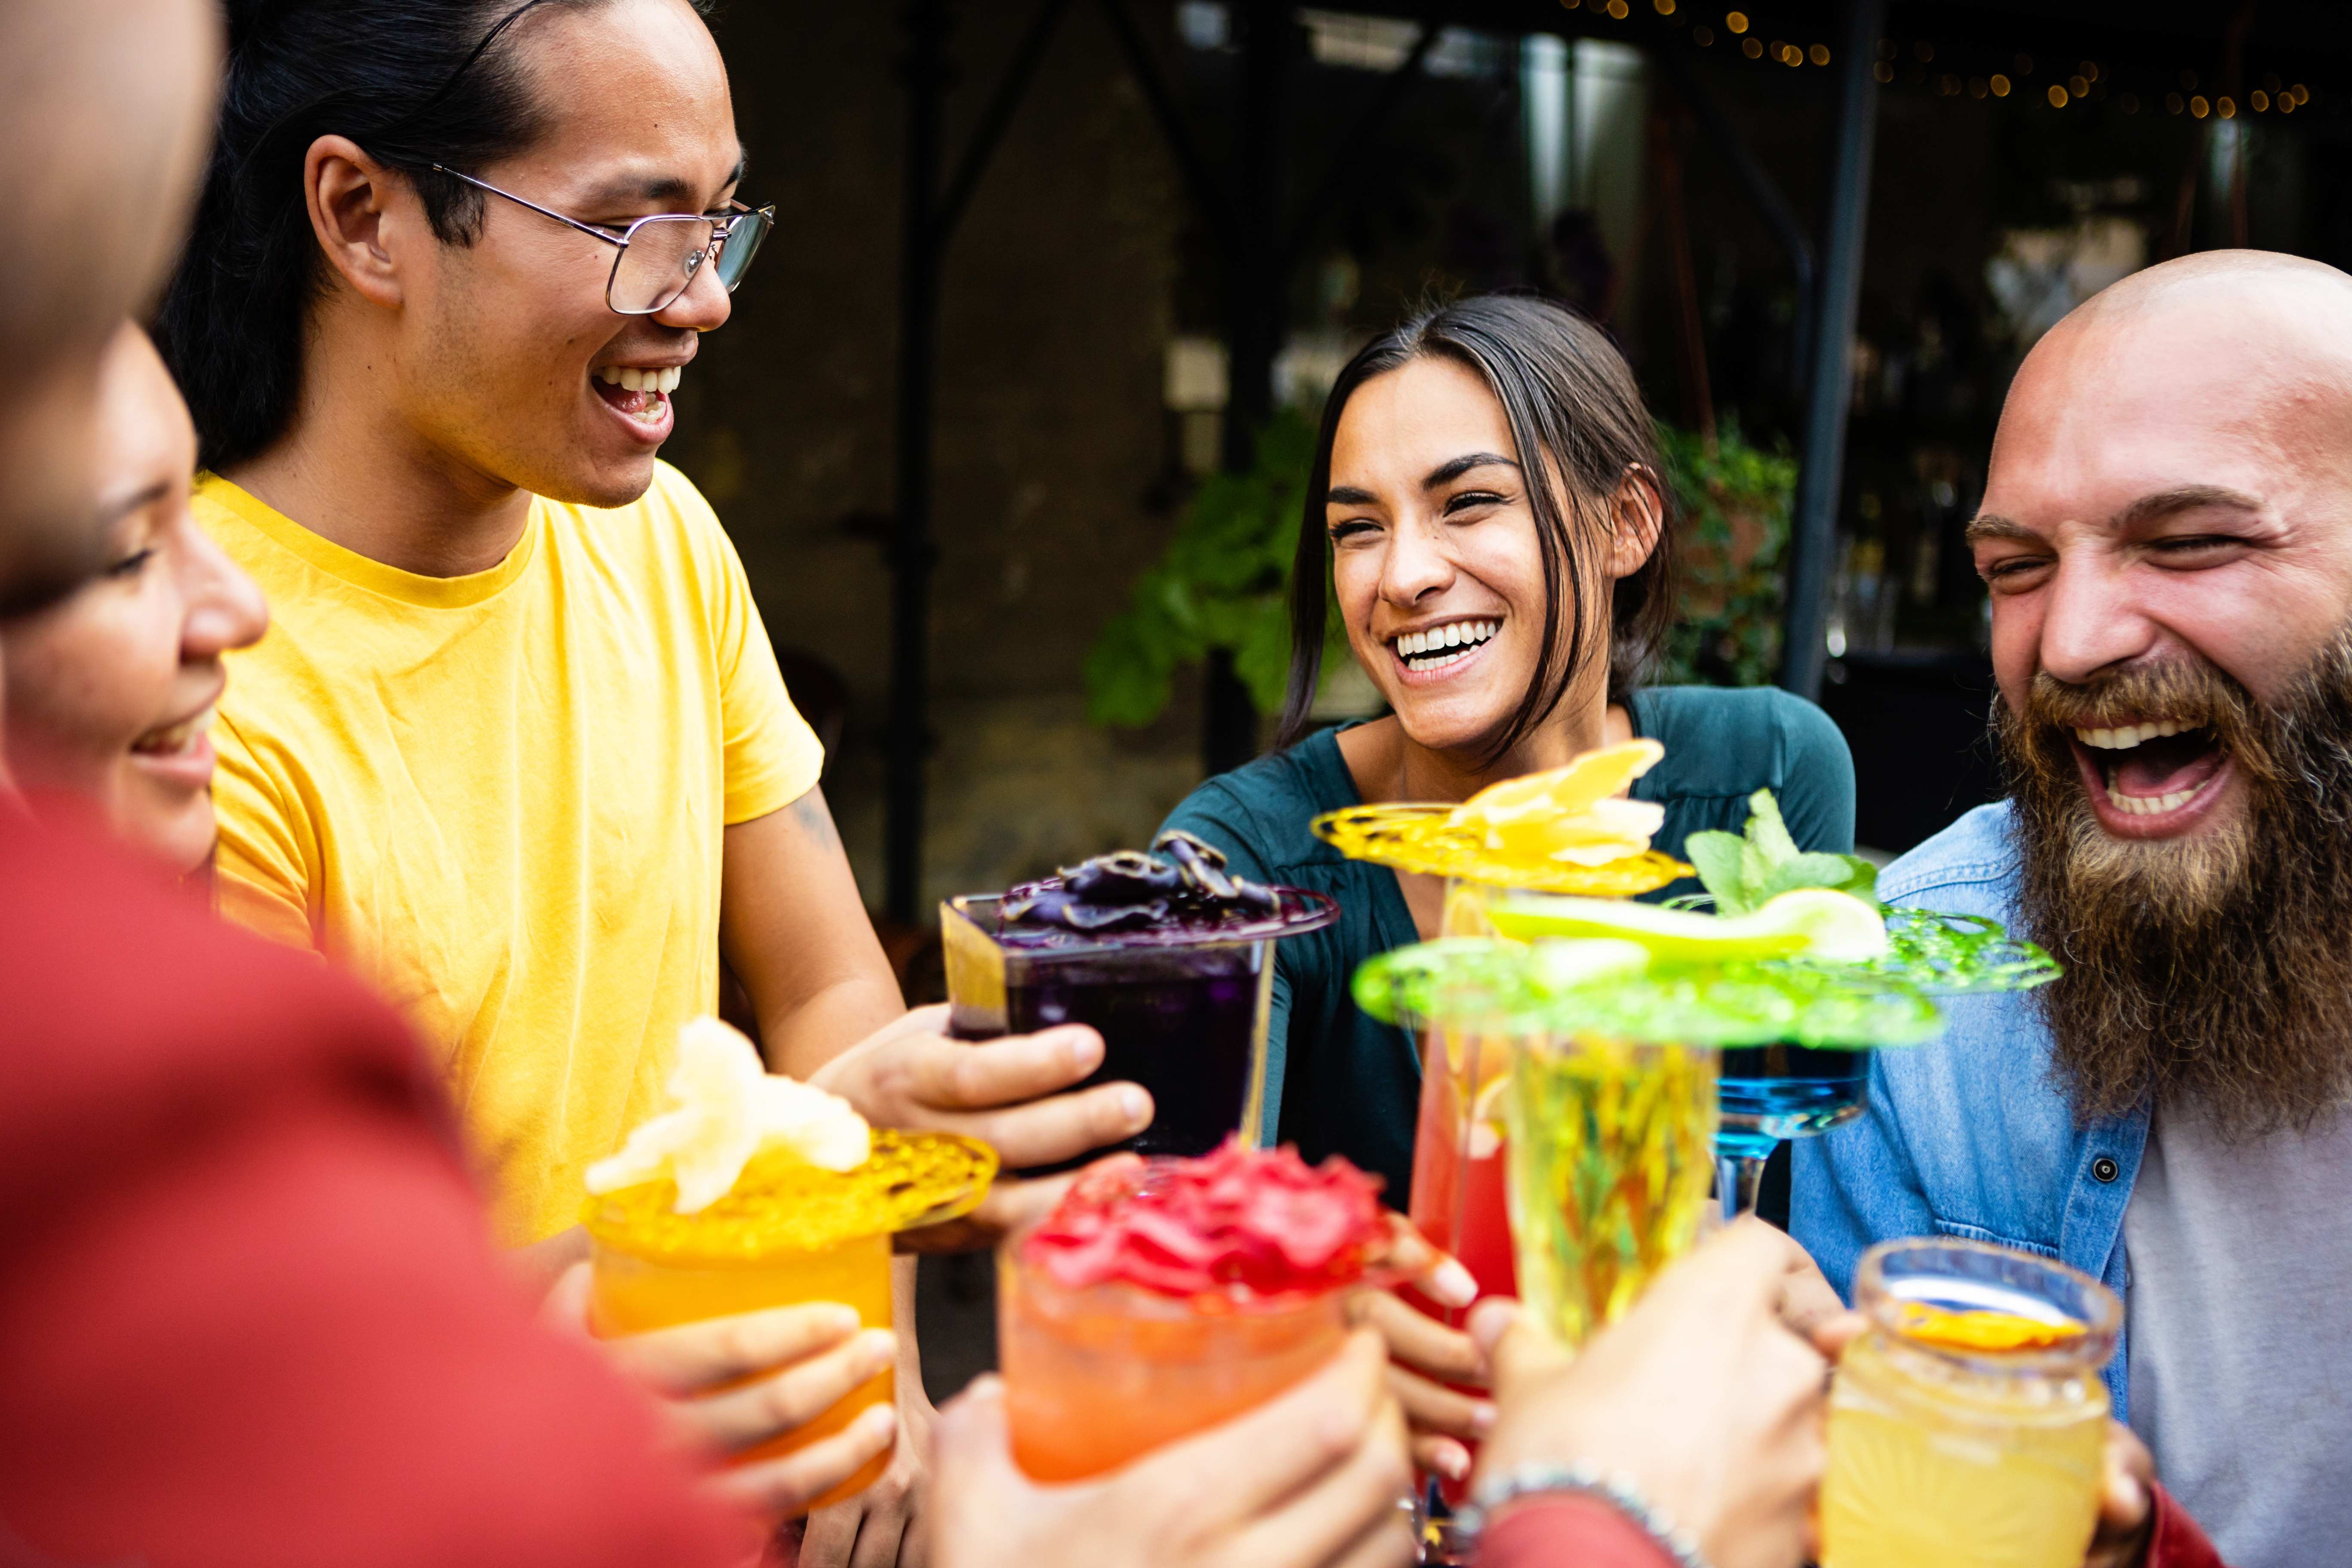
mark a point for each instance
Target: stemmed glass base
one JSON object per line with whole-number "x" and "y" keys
{"x": 1739, "y": 1179}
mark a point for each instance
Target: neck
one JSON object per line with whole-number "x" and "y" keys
{"x": 1580, "y": 725}
{"x": 354, "y": 470}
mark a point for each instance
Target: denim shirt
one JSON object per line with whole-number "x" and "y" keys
{"x": 1971, "y": 1135}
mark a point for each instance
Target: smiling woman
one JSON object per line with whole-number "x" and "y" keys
{"x": 1486, "y": 511}
{"x": 111, "y": 691}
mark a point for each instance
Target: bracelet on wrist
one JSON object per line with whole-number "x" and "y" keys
{"x": 1618, "y": 1492}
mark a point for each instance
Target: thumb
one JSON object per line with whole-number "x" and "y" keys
{"x": 971, "y": 1442}
{"x": 565, "y": 1306}
{"x": 1515, "y": 1344}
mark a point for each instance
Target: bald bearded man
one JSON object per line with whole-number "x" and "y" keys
{"x": 2166, "y": 535}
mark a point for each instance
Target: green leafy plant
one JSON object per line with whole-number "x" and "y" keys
{"x": 1224, "y": 583}
{"x": 1745, "y": 872}
{"x": 1734, "y": 501}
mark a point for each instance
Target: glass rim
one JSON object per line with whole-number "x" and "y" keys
{"x": 1875, "y": 1297}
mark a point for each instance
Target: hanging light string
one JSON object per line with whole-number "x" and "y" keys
{"x": 2088, "y": 82}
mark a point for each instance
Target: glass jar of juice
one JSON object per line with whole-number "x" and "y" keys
{"x": 1968, "y": 1426}
{"x": 1112, "y": 1346}
{"x": 786, "y": 1234}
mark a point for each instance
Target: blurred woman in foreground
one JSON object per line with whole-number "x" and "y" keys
{"x": 110, "y": 691}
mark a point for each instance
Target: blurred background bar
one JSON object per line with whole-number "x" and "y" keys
{"x": 1008, "y": 431}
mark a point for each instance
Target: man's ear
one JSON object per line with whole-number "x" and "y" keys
{"x": 360, "y": 211}
{"x": 1637, "y": 516}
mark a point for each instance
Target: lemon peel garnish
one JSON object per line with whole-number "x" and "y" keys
{"x": 1562, "y": 830}
{"x": 1977, "y": 1329}
{"x": 726, "y": 1108}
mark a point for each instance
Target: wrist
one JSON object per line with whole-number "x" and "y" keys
{"x": 1527, "y": 1482}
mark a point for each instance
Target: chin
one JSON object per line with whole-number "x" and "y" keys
{"x": 180, "y": 839}
{"x": 613, "y": 482}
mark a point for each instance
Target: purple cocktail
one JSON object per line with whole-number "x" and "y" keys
{"x": 1174, "y": 973}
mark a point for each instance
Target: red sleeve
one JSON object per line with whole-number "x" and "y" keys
{"x": 2176, "y": 1542}
{"x": 285, "y": 1342}
{"x": 1567, "y": 1530}
{"x": 249, "y": 1314}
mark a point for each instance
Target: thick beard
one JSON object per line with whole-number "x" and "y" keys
{"x": 2212, "y": 972}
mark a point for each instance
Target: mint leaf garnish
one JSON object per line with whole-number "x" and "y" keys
{"x": 1744, "y": 873}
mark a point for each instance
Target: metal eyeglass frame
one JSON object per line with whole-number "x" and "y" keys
{"x": 722, "y": 229}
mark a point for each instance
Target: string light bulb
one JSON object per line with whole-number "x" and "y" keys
{"x": 2057, "y": 96}
{"x": 1735, "y": 21}
{"x": 2000, "y": 84}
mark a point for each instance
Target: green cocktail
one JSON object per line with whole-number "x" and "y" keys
{"x": 1612, "y": 1103}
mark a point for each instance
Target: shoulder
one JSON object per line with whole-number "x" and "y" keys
{"x": 1734, "y": 740}
{"x": 135, "y": 1002}
{"x": 1265, "y": 807}
{"x": 1979, "y": 850}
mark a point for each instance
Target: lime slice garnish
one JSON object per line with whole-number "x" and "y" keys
{"x": 1810, "y": 922}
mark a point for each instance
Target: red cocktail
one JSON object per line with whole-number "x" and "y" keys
{"x": 1160, "y": 1300}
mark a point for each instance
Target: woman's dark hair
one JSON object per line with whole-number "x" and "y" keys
{"x": 1566, "y": 394}
{"x": 415, "y": 82}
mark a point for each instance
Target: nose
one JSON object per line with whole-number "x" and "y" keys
{"x": 225, "y": 607}
{"x": 1416, "y": 567}
{"x": 704, "y": 305}
{"x": 2091, "y": 621}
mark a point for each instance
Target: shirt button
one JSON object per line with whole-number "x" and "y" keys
{"x": 2105, "y": 1168}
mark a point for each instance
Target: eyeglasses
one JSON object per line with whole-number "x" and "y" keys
{"x": 659, "y": 255}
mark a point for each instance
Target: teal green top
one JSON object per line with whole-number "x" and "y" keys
{"x": 1343, "y": 1083}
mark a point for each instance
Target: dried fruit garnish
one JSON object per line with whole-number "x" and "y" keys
{"x": 1242, "y": 1223}
{"x": 1128, "y": 889}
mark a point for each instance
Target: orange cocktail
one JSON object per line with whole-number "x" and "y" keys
{"x": 1159, "y": 1301}
{"x": 787, "y": 1233}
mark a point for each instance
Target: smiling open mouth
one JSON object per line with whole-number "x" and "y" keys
{"x": 2153, "y": 766}
{"x": 641, "y": 395}
{"x": 1434, "y": 647}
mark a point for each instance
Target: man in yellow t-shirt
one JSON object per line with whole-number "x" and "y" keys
{"x": 516, "y": 749}
{"x": 500, "y": 797}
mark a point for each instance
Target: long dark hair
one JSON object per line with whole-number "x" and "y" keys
{"x": 1566, "y": 394}
{"x": 415, "y": 82}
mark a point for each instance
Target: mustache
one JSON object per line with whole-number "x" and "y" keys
{"x": 2186, "y": 690}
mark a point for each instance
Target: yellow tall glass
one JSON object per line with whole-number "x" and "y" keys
{"x": 1968, "y": 1427}
{"x": 787, "y": 1235}
{"x": 1612, "y": 1154}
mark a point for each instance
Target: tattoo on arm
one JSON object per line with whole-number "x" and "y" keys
{"x": 814, "y": 820}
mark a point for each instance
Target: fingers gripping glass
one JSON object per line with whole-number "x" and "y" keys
{"x": 659, "y": 255}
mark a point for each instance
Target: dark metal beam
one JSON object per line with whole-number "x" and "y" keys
{"x": 1210, "y": 197}
{"x": 1814, "y": 537}
{"x": 993, "y": 119}
{"x": 1757, "y": 183}
{"x": 1394, "y": 89}
{"x": 913, "y": 554}
{"x": 928, "y": 221}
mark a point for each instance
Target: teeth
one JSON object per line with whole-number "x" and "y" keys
{"x": 2129, "y": 735}
{"x": 1455, "y": 634}
{"x": 629, "y": 378}
{"x": 2148, "y": 806}
{"x": 177, "y": 738}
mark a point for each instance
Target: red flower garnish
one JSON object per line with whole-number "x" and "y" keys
{"x": 1241, "y": 1222}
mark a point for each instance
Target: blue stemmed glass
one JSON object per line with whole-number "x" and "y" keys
{"x": 1769, "y": 1094}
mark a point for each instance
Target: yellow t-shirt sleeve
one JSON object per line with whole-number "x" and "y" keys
{"x": 261, "y": 865}
{"x": 772, "y": 757}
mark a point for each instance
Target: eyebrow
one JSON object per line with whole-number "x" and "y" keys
{"x": 2186, "y": 498}
{"x": 663, "y": 188}
{"x": 1447, "y": 472}
{"x": 2147, "y": 508}
{"x": 114, "y": 511}
{"x": 1985, "y": 525}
